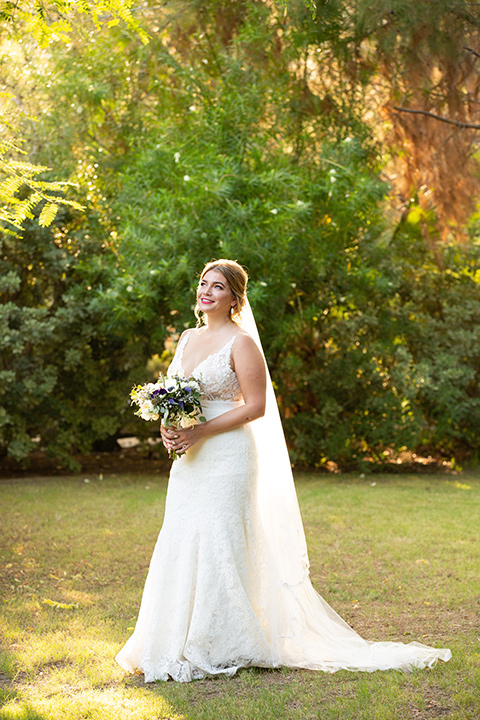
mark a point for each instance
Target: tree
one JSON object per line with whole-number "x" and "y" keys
{"x": 40, "y": 24}
{"x": 241, "y": 132}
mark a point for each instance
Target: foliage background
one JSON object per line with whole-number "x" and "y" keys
{"x": 194, "y": 130}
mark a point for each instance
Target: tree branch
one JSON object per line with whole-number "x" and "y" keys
{"x": 474, "y": 52}
{"x": 457, "y": 123}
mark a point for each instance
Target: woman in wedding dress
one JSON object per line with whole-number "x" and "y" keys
{"x": 228, "y": 585}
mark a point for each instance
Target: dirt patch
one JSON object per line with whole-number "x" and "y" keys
{"x": 434, "y": 702}
{"x": 5, "y": 681}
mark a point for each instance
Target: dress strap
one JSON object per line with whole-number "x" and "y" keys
{"x": 226, "y": 350}
{"x": 176, "y": 364}
{"x": 182, "y": 344}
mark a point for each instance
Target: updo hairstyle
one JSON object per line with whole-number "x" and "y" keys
{"x": 237, "y": 280}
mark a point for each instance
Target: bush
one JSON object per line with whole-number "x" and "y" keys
{"x": 65, "y": 376}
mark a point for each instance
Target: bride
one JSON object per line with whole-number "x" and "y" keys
{"x": 228, "y": 585}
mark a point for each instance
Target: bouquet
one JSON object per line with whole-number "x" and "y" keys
{"x": 174, "y": 399}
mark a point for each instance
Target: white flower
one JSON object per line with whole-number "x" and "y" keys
{"x": 186, "y": 178}
{"x": 176, "y": 157}
{"x": 192, "y": 108}
{"x": 188, "y": 422}
{"x": 274, "y": 211}
{"x": 148, "y": 411}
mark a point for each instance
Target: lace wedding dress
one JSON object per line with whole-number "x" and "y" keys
{"x": 214, "y": 599}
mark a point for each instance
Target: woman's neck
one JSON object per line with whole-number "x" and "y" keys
{"x": 215, "y": 325}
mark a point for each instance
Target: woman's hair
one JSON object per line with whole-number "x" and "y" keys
{"x": 236, "y": 277}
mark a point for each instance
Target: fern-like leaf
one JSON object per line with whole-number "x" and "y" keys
{"x": 47, "y": 216}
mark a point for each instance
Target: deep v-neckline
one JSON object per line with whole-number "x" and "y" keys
{"x": 217, "y": 352}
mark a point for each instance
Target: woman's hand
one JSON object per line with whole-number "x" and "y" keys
{"x": 180, "y": 439}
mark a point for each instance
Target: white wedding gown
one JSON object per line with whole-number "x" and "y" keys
{"x": 213, "y": 600}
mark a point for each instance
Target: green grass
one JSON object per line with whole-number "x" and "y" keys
{"x": 398, "y": 559}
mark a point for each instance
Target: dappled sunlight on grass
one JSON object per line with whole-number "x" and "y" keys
{"x": 70, "y": 673}
{"x": 397, "y": 559}
{"x": 109, "y": 703}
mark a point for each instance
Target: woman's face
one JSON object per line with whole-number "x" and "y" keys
{"x": 214, "y": 294}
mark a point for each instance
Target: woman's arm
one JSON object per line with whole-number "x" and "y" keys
{"x": 249, "y": 367}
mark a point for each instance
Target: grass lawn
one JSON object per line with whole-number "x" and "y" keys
{"x": 397, "y": 556}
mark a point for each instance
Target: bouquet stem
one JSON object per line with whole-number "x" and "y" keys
{"x": 172, "y": 454}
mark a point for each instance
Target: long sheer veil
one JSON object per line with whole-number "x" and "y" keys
{"x": 277, "y": 499}
{"x": 305, "y": 631}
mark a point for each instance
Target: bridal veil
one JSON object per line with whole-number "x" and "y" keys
{"x": 304, "y": 631}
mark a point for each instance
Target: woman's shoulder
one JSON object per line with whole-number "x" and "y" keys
{"x": 243, "y": 342}
{"x": 245, "y": 352}
{"x": 182, "y": 340}
{"x": 186, "y": 333}
{"x": 242, "y": 336}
